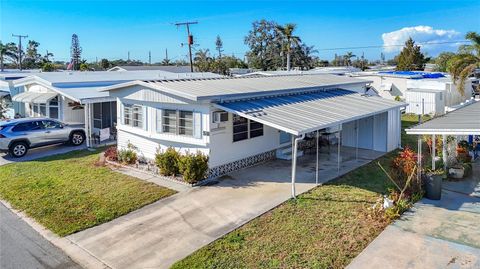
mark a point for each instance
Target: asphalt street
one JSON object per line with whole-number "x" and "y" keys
{"x": 21, "y": 247}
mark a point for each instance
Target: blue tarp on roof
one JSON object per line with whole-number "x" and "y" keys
{"x": 413, "y": 74}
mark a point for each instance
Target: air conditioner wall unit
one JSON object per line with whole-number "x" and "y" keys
{"x": 219, "y": 116}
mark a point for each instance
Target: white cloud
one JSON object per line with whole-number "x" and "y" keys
{"x": 421, "y": 34}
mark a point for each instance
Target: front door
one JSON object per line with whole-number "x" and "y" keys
{"x": 285, "y": 137}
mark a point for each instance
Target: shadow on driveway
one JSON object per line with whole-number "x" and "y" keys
{"x": 38, "y": 153}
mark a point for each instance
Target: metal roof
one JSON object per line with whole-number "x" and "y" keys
{"x": 245, "y": 87}
{"x": 303, "y": 113}
{"x": 34, "y": 97}
{"x": 168, "y": 68}
{"x": 463, "y": 121}
{"x": 104, "y": 78}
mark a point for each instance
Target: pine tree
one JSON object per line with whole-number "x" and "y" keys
{"x": 219, "y": 46}
{"x": 75, "y": 52}
{"x": 411, "y": 58}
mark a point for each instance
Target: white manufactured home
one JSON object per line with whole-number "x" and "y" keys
{"x": 75, "y": 97}
{"x": 238, "y": 122}
{"x": 427, "y": 93}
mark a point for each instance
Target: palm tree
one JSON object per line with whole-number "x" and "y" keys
{"x": 287, "y": 39}
{"x": 462, "y": 65}
{"x": 7, "y": 52}
{"x": 203, "y": 60}
{"x": 348, "y": 58}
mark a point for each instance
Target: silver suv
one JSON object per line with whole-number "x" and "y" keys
{"x": 19, "y": 135}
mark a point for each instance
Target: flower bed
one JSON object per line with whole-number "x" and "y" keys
{"x": 188, "y": 169}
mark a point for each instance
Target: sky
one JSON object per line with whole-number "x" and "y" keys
{"x": 112, "y": 29}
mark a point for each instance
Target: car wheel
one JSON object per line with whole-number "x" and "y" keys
{"x": 18, "y": 149}
{"x": 77, "y": 138}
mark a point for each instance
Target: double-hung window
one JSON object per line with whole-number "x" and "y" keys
{"x": 178, "y": 122}
{"x": 133, "y": 115}
{"x": 244, "y": 128}
{"x": 53, "y": 108}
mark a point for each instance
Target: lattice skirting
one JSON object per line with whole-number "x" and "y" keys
{"x": 237, "y": 165}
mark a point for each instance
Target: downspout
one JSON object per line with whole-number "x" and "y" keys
{"x": 294, "y": 162}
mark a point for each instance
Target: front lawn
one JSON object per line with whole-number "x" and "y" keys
{"x": 68, "y": 193}
{"x": 324, "y": 228}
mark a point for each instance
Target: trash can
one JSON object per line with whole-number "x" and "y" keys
{"x": 433, "y": 187}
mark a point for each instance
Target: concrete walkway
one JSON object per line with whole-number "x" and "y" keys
{"x": 164, "y": 232}
{"x": 435, "y": 234}
{"x": 38, "y": 153}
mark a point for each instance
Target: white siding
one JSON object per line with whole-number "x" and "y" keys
{"x": 394, "y": 129}
{"x": 68, "y": 115}
{"x": 223, "y": 150}
{"x": 380, "y": 132}
{"x": 431, "y": 101}
{"x": 147, "y": 141}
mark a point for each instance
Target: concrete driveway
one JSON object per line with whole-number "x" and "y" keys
{"x": 435, "y": 234}
{"x": 164, "y": 232}
{"x": 37, "y": 153}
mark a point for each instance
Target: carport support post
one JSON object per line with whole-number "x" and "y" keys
{"x": 88, "y": 125}
{"x": 316, "y": 171}
{"x": 338, "y": 151}
{"x": 433, "y": 152}
{"x": 356, "y": 143}
{"x": 294, "y": 164}
{"x": 444, "y": 150}
{"x": 419, "y": 157}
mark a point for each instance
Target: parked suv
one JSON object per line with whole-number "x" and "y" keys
{"x": 19, "y": 135}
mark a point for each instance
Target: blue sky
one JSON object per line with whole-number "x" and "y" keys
{"x": 109, "y": 29}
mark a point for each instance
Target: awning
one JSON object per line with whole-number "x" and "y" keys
{"x": 303, "y": 113}
{"x": 34, "y": 97}
{"x": 463, "y": 121}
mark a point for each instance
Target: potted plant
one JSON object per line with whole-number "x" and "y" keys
{"x": 433, "y": 184}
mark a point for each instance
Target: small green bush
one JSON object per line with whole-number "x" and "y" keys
{"x": 127, "y": 156}
{"x": 168, "y": 162}
{"x": 194, "y": 167}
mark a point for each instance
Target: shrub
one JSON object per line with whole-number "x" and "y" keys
{"x": 402, "y": 167}
{"x": 111, "y": 154}
{"x": 398, "y": 98}
{"x": 194, "y": 167}
{"x": 167, "y": 162}
{"x": 127, "y": 156}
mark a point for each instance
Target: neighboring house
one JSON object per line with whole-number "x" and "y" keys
{"x": 6, "y": 85}
{"x": 238, "y": 122}
{"x": 167, "y": 68}
{"x": 74, "y": 97}
{"x": 333, "y": 70}
{"x": 427, "y": 93}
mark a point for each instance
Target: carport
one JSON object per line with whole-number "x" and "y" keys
{"x": 464, "y": 121}
{"x": 304, "y": 114}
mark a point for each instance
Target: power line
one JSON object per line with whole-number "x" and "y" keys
{"x": 190, "y": 40}
{"x": 20, "y": 49}
{"x": 398, "y": 45}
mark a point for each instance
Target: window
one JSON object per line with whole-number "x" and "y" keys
{"x": 133, "y": 115}
{"x": 240, "y": 128}
{"x": 50, "y": 124}
{"x": 177, "y": 122}
{"x": 169, "y": 124}
{"x": 244, "y": 128}
{"x": 104, "y": 114}
{"x": 43, "y": 110}
{"x": 256, "y": 129}
{"x": 53, "y": 108}
{"x": 27, "y": 126}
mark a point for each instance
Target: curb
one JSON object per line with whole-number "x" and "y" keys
{"x": 78, "y": 254}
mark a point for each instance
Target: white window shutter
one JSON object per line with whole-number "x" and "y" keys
{"x": 145, "y": 118}
{"x": 197, "y": 124}
{"x": 158, "y": 120}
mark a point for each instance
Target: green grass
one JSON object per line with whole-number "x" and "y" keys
{"x": 69, "y": 192}
{"x": 324, "y": 228}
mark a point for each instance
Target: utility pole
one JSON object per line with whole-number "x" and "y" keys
{"x": 20, "y": 49}
{"x": 166, "y": 55}
{"x": 190, "y": 40}
{"x": 149, "y": 57}
{"x": 128, "y": 57}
